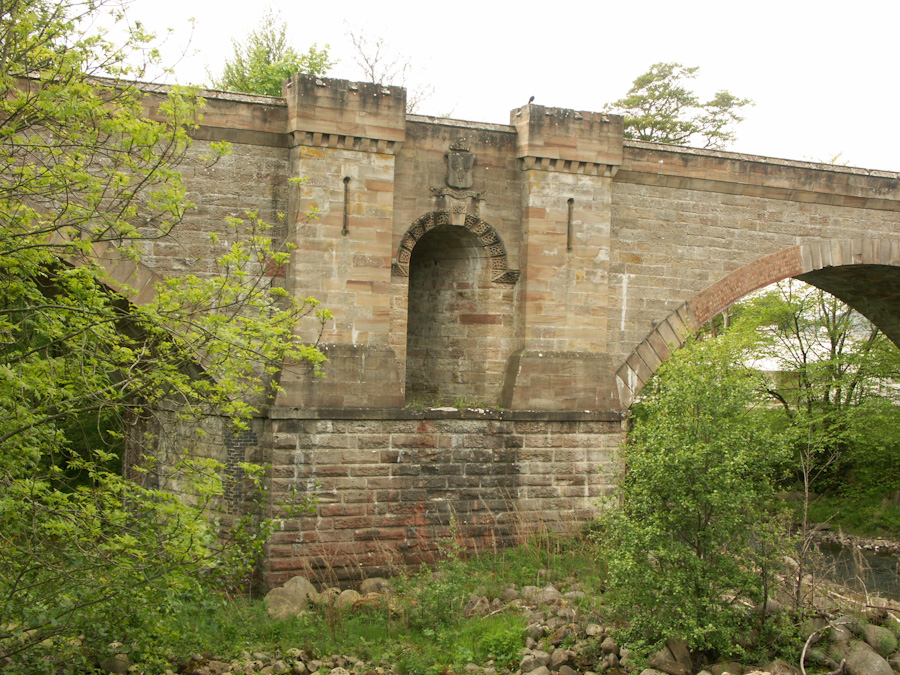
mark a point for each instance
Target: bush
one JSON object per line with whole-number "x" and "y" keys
{"x": 694, "y": 532}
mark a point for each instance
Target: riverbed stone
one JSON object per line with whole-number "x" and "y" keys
{"x": 609, "y": 646}
{"x": 668, "y": 665}
{"x": 374, "y": 585}
{"x": 862, "y": 660}
{"x": 880, "y": 639}
{"x": 680, "y": 652}
{"x": 782, "y": 667}
{"x": 560, "y": 657}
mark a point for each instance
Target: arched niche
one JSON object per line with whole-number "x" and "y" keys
{"x": 460, "y": 322}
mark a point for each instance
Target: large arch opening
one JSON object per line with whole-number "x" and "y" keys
{"x": 460, "y": 320}
{"x": 864, "y": 274}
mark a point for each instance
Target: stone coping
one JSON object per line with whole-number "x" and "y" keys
{"x": 762, "y": 159}
{"x": 445, "y": 413}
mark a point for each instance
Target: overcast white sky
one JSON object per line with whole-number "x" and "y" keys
{"x": 824, "y": 75}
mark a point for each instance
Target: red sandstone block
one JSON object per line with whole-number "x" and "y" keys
{"x": 294, "y": 565}
{"x": 279, "y": 551}
{"x": 353, "y": 523}
{"x": 341, "y": 510}
{"x": 333, "y": 538}
{"x": 331, "y": 471}
{"x": 472, "y": 319}
{"x": 386, "y": 497}
{"x": 379, "y": 185}
{"x": 381, "y": 534}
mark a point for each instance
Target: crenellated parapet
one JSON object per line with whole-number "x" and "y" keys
{"x": 324, "y": 112}
{"x": 559, "y": 139}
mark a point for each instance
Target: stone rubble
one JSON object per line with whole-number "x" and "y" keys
{"x": 556, "y": 641}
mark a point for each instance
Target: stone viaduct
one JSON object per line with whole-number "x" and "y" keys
{"x": 501, "y": 293}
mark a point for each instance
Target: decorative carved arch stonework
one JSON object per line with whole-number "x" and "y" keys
{"x": 487, "y": 235}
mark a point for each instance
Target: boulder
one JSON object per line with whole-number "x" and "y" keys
{"x": 534, "y": 661}
{"x": 535, "y": 631}
{"x": 117, "y": 664}
{"x": 862, "y": 660}
{"x": 375, "y": 585}
{"x": 839, "y": 632}
{"x": 680, "y": 652}
{"x": 566, "y": 613}
{"x": 548, "y": 596}
{"x": 729, "y": 667}
{"x": 880, "y": 639}
{"x": 300, "y": 585}
{"x": 609, "y": 646}
{"x": 667, "y": 665}
{"x": 509, "y": 594}
{"x": 781, "y": 667}
{"x": 348, "y": 598}
{"x": 477, "y": 606}
{"x": 560, "y": 657}
{"x": 282, "y": 603}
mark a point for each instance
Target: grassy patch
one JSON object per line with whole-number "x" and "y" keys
{"x": 859, "y": 515}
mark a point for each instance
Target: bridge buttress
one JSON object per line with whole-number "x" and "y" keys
{"x": 567, "y": 160}
{"x": 344, "y": 138}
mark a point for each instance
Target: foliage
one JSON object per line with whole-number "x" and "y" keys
{"x": 833, "y": 385}
{"x": 265, "y": 60}
{"x": 87, "y": 555}
{"x": 694, "y": 532}
{"x": 661, "y": 108}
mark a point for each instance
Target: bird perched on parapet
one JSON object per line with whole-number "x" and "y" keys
{"x": 531, "y": 100}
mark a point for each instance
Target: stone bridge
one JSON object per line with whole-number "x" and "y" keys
{"x": 501, "y": 293}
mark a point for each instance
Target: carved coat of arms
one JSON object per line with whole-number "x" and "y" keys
{"x": 460, "y": 163}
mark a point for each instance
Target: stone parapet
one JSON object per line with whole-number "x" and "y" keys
{"x": 558, "y": 139}
{"x": 339, "y": 113}
{"x": 755, "y": 176}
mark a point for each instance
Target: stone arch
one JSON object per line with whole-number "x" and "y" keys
{"x": 489, "y": 237}
{"x": 864, "y": 273}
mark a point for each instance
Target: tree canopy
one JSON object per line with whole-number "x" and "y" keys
{"x": 87, "y": 555}
{"x": 661, "y": 108}
{"x": 264, "y": 60}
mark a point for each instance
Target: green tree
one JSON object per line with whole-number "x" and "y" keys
{"x": 661, "y": 108}
{"x": 86, "y": 556}
{"x": 265, "y": 60}
{"x": 834, "y": 377}
{"x": 694, "y": 533}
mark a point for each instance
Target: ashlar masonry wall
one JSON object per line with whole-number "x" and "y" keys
{"x": 391, "y": 484}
